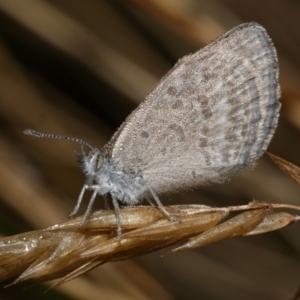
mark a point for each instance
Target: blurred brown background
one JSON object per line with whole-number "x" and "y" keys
{"x": 78, "y": 68}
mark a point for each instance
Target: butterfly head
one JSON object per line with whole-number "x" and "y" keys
{"x": 91, "y": 164}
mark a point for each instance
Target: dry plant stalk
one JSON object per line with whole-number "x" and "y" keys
{"x": 288, "y": 168}
{"x": 70, "y": 249}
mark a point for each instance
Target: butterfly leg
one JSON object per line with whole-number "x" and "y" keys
{"x": 106, "y": 203}
{"x": 76, "y": 208}
{"x": 150, "y": 202}
{"x": 161, "y": 207}
{"x": 89, "y": 208}
{"x": 117, "y": 212}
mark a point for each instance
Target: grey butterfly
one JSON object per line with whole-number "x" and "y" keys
{"x": 210, "y": 116}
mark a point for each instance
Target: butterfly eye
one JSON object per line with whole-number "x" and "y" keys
{"x": 99, "y": 161}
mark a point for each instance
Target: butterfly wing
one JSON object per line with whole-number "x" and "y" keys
{"x": 214, "y": 113}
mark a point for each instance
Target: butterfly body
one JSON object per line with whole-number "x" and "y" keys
{"x": 103, "y": 176}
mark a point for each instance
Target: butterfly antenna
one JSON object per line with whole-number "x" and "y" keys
{"x": 55, "y": 136}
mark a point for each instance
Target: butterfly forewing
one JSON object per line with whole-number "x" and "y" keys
{"x": 211, "y": 115}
